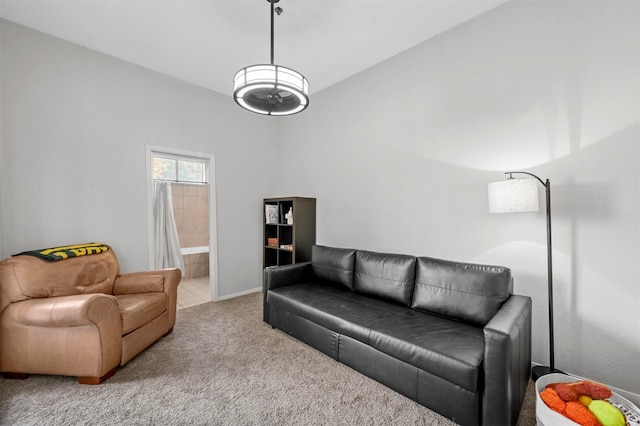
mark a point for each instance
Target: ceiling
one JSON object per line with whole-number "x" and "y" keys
{"x": 205, "y": 42}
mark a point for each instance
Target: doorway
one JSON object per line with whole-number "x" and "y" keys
{"x": 191, "y": 178}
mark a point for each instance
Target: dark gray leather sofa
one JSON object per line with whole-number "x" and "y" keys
{"x": 448, "y": 335}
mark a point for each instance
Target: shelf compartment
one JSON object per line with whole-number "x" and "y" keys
{"x": 285, "y": 235}
{"x": 285, "y": 257}
{"x": 270, "y": 257}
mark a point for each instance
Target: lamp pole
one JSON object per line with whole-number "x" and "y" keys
{"x": 540, "y": 370}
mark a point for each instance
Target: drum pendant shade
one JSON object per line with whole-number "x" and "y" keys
{"x": 271, "y": 89}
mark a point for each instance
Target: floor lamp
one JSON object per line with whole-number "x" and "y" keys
{"x": 521, "y": 195}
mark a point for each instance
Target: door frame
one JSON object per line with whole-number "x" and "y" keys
{"x": 213, "y": 222}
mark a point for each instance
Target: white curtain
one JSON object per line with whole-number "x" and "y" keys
{"x": 167, "y": 245}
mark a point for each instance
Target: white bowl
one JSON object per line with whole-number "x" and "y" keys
{"x": 545, "y": 416}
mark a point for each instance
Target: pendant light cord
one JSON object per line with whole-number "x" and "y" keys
{"x": 272, "y": 9}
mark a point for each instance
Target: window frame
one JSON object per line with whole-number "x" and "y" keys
{"x": 182, "y": 158}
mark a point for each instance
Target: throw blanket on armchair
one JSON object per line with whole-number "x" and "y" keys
{"x": 65, "y": 252}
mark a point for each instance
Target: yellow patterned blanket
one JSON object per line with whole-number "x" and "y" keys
{"x": 65, "y": 252}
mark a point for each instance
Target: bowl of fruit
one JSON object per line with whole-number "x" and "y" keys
{"x": 564, "y": 400}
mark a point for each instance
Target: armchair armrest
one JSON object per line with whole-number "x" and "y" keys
{"x": 138, "y": 283}
{"x": 148, "y": 281}
{"x": 78, "y": 335}
{"x": 65, "y": 311}
{"x": 507, "y": 361}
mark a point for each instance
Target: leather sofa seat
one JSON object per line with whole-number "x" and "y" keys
{"x": 331, "y": 307}
{"x": 452, "y": 350}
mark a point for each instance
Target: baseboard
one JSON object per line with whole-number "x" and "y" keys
{"x": 633, "y": 397}
{"x": 242, "y": 293}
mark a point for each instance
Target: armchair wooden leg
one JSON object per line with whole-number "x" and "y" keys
{"x": 19, "y": 376}
{"x": 96, "y": 380}
{"x": 168, "y": 332}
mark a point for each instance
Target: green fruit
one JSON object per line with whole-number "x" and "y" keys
{"x": 606, "y": 413}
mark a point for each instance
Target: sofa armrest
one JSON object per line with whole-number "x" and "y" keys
{"x": 507, "y": 361}
{"x": 65, "y": 311}
{"x": 280, "y": 276}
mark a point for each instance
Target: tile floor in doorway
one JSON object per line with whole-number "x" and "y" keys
{"x": 193, "y": 292}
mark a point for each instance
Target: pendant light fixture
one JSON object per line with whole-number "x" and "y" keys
{"x": 271, "y": 89}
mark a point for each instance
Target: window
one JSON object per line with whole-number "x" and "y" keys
{"x": 179, "y": 169}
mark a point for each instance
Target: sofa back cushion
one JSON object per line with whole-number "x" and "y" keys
{"x": 388, "y": 276}
{"x": 333, "y": 264}
{"x": 24, "y": 277}
{"x": 465, "y": 291}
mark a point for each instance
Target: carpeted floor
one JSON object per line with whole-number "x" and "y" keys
{"x": 221, "y": 366}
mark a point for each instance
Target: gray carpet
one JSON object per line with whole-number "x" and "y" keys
{"x": 222, "y": 365}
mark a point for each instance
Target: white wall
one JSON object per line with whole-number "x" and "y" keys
{"x": 399, "y": 158}
{"x": 72, "y": 156}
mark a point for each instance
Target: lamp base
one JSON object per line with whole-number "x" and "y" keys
{"x": 541, "y": 370}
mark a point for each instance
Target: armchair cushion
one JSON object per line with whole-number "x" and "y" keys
{"x": 25, "y": 277}
{"x": 137, "y": 310}
{"x": 138, "y": 283}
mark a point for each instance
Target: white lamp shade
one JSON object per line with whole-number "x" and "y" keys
{"x": 513, "y": 195}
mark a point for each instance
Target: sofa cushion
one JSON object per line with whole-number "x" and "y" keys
{"x": 388, "y": 276}
{"x": 465, "y": 291}
{"x": 333, "y": 307}
{"x": 333, "y": 264}
{"x": 449, "y": 349}
{"x": 137, "y": 310}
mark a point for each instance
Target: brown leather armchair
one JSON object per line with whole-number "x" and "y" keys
{"x": 80, "y": 316}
